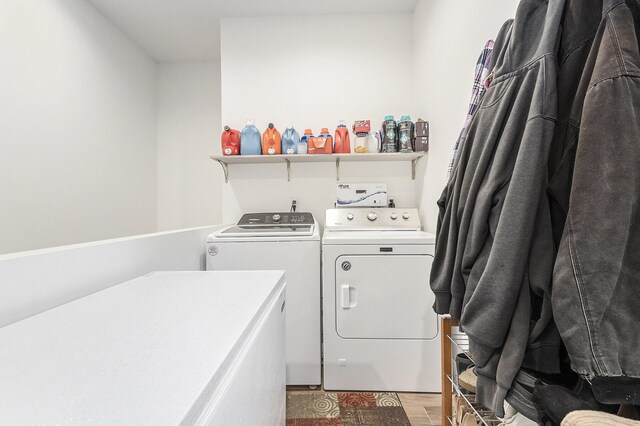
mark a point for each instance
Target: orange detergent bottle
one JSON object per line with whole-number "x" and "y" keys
{"x": 230, "y": 141}
{"x": 341, "y": 142}
{"x": 271, "y": 141}
{"x": 321, "y": 144}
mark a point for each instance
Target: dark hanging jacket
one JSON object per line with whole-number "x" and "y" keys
{"x": 595, "y": 193}
{"x": 490, "y": 264}
{"x": 594, "y": 180}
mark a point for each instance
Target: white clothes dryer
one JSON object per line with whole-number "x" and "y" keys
{"x": 281, "y": 241}
{"x": 380, "y": 332}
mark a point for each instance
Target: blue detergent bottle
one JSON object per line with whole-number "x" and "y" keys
{"x": 250, "y": 140}
{"x": 290, "y": 141}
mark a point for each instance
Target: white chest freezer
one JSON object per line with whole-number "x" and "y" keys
{"x": 167, "y": 348}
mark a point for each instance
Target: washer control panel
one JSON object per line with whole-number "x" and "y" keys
{"x": 381, "y": 219}
{"x": 284, "y": 219}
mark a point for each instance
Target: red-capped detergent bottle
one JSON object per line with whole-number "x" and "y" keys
{"x": 271, "y": 141}
{"x": 230, "y": 141}
{"x": 341, "y": 141}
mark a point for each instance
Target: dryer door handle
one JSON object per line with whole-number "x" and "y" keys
{"x": 345, "y": 296}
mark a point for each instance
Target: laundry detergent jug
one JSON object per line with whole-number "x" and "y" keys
{"x": 374, "y": 142}
{"x": 290, "y": 141}
{"x": 406, "y": 132}
{"x": 341, "y": 142}
{"x": 271, "y": 141}
{"x": 230, "y": 141}
{"x": 321, "y": 144}
{"x": 362, "y": 129}
{"x": 389, "y": 130}
{"x": 250, "y": 140}
{"x": 303, "y": 146}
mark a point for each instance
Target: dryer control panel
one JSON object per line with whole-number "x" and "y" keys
{"x": 375, "y": 219}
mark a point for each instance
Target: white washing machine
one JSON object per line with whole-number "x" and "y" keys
{"x": 380, "y": 332}
{"x": 289, "y": 242}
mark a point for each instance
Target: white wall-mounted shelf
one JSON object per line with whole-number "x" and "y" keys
{"x": 287, "y": 159}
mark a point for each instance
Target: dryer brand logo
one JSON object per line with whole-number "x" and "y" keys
{"x": 213, "y": 250}
{"x": 343, "y": 186}
{"x": 346, "y": 265}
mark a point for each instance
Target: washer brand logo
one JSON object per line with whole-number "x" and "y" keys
{"x": 213, "y": 250}
{"x": 346, "y": 266}
{"x": 343, "y": 186}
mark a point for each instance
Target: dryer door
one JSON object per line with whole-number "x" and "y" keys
{"x": 384, "y": 297}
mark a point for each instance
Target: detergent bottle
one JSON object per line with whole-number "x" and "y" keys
{"x": 374, "y": 142}
{"x": 389, "y": 130}
{"x": 230, "y": 141}
{"x": 304, "y": 142}
{"x": 250, "y": 140}
{"x": 362, "y": 128}
{"x": 341, "y": 142}
{"x": 290, "y": 141}
{"x": 406, "y": 134}
{"x": 271, "y": 141}
{"x": 322, "y": 144}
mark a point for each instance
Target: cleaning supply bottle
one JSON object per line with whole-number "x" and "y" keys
{"x": 290, "y": 141}
{"x": 250, "y": 139}
{"x": 271, "y": 141}
{"x": 322, "y": 144}
{"x": 341, "y": 142}
{"x": 406, "y": 134}
{"x": 303, "y": 146}
{"x": 389, "y": 130}
{"x": 230, "y": 141}
{"x": 362, "y": 129}
{"x": 374, "y": 142}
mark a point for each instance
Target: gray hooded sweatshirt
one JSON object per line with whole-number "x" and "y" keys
{"x": 491, "y": 270}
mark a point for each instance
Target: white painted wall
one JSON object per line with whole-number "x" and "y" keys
{"x": 448, "y": 37}
{"x": 345, "y": 67}
{"x": 34, "y": 281}
{"x": 77, "y": 127}
{"x": 189, "y": 182}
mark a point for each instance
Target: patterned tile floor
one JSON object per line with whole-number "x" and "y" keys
{"x": 315, "y": 407}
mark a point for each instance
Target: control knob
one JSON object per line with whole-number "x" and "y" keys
{"x": 405, "y": 215}
{"x": 394, "y": 215}
{"x": 372, "y": 216}
{"x": 350, "y": 216}
{"x": 276, "y": 218}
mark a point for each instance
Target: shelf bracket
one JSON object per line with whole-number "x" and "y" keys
{"x": 337, "y": 169}
{"x": 288, "y": 170}
{"x": 414, "y": 162}
{"x": 225, "y": 169}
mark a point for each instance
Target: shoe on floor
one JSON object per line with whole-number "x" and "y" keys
{"x": 463, "y": 410}
{"x": 462, "y": 362}
{"x": 596, "y": 418}
{"x": 468, "y": 379}
{"x": 469, "y": 419}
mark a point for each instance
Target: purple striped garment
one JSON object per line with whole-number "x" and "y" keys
{"x": 479, "y": 88}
